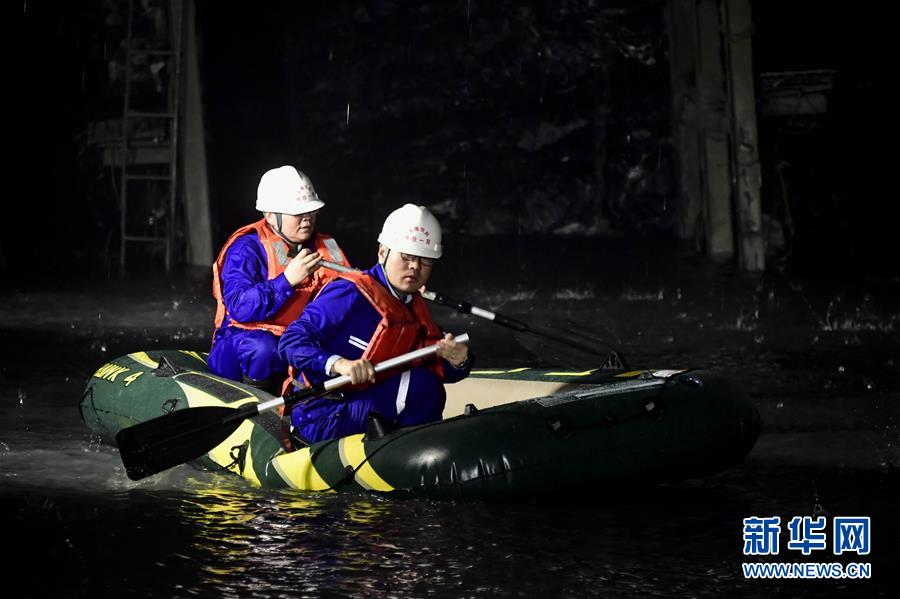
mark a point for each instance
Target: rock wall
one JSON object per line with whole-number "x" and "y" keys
{"x": 504, "y": 117}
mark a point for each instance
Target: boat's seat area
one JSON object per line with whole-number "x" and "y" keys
{"x": 488, "y": 392}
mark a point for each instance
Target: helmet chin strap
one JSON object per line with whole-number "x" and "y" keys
{"x": 294, "y": 247}
{"x": 399, "y": 294}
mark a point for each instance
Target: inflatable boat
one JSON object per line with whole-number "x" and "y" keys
{"x": 506, "y": 432}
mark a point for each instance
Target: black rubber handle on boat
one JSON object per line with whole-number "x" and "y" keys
{"x": 181, "y": 436}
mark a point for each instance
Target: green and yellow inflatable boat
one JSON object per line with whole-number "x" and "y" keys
{"x": 506, "y": 433}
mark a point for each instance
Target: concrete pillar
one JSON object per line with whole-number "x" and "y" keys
{"x": 681, "y": 21}
{"x": 745, "y": 152}
{"x": 713, "y": 109}
{"x": 193, "y": 156}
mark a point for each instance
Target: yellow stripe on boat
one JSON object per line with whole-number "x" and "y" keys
{"x": 193, "y": 354}
{"x": 142, "y": 358}
{"x": 297, "y": 470}
{"x": 353, "y": 454}
{"x": 585, "y": 373}
{"x": 197, "y": 397}
{"x": 221, "y": 454}
{"x": 629, "y": 374}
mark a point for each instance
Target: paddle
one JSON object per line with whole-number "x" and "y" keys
{"x": 185, "y": 435}
{"x": 568, "y": 336}
{"x": 570, "y": 350}
{"x": 573, "y": 336}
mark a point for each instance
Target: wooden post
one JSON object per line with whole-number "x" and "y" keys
{"x": 196, "y": 189}
{"x": 713, "y": 107}
{"x": 601, "y": 90}
{"x": 738, "y": 26}
{"x": 681, "y": 21}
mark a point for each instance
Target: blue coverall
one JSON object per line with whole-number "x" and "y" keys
{"x": 250, "y": 296}
{"x": 340, "y": 322}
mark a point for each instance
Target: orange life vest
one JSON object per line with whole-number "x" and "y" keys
{"x": 400, "y": 330}
{"x": 277, "y": 256}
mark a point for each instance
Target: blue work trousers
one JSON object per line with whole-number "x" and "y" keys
{"x": 405, "y": 399}
{"x": 241, "y": 354}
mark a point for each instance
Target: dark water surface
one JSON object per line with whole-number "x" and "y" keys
{"x": 820, "y": 361}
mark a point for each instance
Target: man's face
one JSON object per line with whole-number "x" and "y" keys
{"x": 405, "y": 272}
{"x": 297, "y": 228}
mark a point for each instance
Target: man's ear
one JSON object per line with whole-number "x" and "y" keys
{"x": 382, "y": 252}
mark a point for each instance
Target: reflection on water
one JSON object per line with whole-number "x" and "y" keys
{"x": 208, "y": 534}
{"x": 828, "y": 391}
{"x": 283, "y": 541}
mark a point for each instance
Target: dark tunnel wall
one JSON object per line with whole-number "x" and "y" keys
{"x": 832, "y": 173}
{"x": 508, "y": 118}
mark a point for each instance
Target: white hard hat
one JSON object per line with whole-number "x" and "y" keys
{"x": 412, "y": 230}
{"x": 288, "y": 191}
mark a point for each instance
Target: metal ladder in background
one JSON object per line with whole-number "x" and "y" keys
{"x": 148, "y": 184}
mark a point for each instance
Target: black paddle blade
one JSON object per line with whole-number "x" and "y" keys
{"x": 565, "y": 342}
{"x": 176, "y": 438}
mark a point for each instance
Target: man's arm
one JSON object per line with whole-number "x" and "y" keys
{"x": 304, "y": 344}
{"x": 248, "y": 293}
{"x": 457, "y": 359}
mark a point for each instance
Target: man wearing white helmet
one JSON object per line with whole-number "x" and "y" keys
{"x": 364, "y": 318}
{"x": 265, "y": 275}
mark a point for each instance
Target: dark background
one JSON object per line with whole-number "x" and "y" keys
{"x": 496, "y": 114}
{"x": 519, "y": 120}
